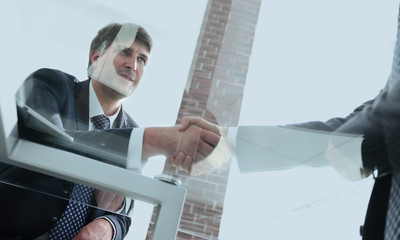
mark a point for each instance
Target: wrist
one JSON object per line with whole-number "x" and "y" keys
{"x": 109, "y": 231}
{"x": 159, "y": 141}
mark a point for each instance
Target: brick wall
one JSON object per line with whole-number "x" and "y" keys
{"x": 214, "y": 91}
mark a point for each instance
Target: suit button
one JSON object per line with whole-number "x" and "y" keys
{"x": 102, "y": 144}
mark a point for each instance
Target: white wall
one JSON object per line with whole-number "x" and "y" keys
{"x": 311, "y": 60}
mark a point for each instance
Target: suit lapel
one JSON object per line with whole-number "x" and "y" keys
{"x": 82, "y": 105}
{"x": 121, "y": 120}
{"x": 82, "y": 110}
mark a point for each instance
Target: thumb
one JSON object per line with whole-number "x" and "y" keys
{"x": 184, "y": 124}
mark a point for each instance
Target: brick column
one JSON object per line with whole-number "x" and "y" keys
{"x": 214, "y": 91}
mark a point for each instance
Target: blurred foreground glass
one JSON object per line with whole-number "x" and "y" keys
{"x": 273, "y": 200}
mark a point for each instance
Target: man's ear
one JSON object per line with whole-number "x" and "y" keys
{"x": 94, "y": 57}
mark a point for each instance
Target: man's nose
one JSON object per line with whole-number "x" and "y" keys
{"x": 132, "y": 64}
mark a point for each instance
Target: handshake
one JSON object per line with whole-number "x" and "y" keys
{"x": 184, "y": 145}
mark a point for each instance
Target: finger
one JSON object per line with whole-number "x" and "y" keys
{"x": 171, "y": 158}
{"x": 187, "y": 121}
{"x": 210, "y": 137}
{"x": 195, "y": 121}
{"x": 190, "y": 165}
{"x": 204, "y": 149}
{"x": 180, "y": 157}
{"x": 211, "y": 127}
{"x": 186, "y": 164}
{"x": 199, "y": 156}
{"x": 205, "y": 125}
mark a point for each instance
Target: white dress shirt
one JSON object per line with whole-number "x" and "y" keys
{"x": 134, "y": 156}
{"x": 266, "y": 148}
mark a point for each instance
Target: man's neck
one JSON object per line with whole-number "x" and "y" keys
{"x": 109, "y": 99}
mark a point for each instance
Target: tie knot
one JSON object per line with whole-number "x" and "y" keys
{"x": 101, "y": 122}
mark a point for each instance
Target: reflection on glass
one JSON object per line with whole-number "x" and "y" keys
{"x": 116, "y": 65}
{"x": 34, "y": 202}
{"x": 267, "y": 148}
{"x": 214, "y": 91}
{"x": 87, "y": 118}
{"x": 57, "y": 110}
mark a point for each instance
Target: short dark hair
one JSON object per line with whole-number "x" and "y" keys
{"x": 107, "y": 34}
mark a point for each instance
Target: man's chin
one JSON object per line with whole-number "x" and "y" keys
{"x": 118, "y": 92}
{"x": 124, "y": 86}
{"x": 125, "y": 90}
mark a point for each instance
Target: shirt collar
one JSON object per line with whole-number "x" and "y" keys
{"x": 95, "y": 107}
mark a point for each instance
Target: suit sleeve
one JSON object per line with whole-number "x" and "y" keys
{"x": 333, "y": 123}
{"x": 374, "y": 121}
{"x": 49, "y": 93}
{"x": 380, "y": 122}
{"x": 119, "y": 223}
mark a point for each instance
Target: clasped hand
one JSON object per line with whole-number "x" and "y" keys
{"x": 198, "y": 138}
{"x": 189, "y": 142}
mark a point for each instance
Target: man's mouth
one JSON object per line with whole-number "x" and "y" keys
{"x": 129, "y": 77}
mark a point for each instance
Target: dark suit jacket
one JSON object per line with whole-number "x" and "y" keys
{"x": 374, "y": 154}
{"x": 379, "y": 122}
{"x": 29, "y": 209}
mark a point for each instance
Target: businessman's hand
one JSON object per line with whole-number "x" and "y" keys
{"x": 219, "y": 156}
{"x": 184, "y": 162}
{"x": 197, "y": 139}
{"x": 196, "y": 142}
{"x": 181, "y": 161}
{"x": 99, "y": 229}
{"x": 187, "y": 121}
{"x": 108, "y": 201}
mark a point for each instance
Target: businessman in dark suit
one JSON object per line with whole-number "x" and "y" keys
{"x": 378, "y": 121}
{"x": 118, "y": 56}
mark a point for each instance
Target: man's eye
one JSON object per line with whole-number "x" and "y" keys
{"x": 142, "y": 60}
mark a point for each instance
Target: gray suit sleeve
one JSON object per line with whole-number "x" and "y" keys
{"x": 375, "y": 121}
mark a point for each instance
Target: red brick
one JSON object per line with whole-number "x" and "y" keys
{"x": 202, "y": 184}
{"x": 217, "y": 77}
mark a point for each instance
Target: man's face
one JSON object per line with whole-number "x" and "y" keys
{"x": 121, "y": 66}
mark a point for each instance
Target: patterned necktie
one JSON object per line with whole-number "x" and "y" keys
{"x": 392, "y": 228}
{"x": 74, "y": 217}
{"x": 101, "y": 122}
{"x": 75, "y": 214}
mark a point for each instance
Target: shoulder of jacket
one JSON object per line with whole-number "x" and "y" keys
{"x": 54, "y": 72}
{"x": 129, "y": 122}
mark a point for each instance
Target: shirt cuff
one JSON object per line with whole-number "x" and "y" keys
{"x": 134, "y": 156}
{"x": 346, "y": 158}
{"x": 112, "y": 225}
{"x": 122, "y": 208}
{"x": 231, "y": 137}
